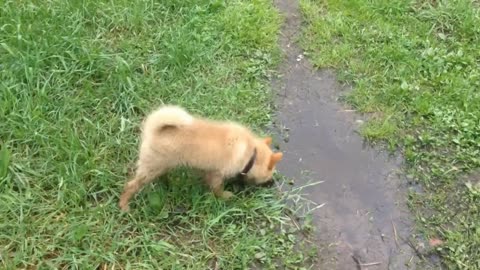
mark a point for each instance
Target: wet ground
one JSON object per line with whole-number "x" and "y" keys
{"x": 365, "y": 221}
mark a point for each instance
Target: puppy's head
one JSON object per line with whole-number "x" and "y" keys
{"x": 264, "y": 166}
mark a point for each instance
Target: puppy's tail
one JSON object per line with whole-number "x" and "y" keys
{"x": 166, "y": 116}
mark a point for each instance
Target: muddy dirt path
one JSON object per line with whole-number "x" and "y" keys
{"x": 365, "y": 218}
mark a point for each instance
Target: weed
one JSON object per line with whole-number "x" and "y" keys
{"x": 414, "y": 66}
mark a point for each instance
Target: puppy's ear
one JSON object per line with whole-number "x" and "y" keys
{"x": 268, "y": 141}
{"x": 274, "y": 159}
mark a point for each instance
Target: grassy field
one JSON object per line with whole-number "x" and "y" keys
{"x": 76, "y": 79}
{"x": 415, "y": 70}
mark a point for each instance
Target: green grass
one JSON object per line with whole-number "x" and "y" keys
{"x": 414, "y": 67}
{"x": 76, "y": 79}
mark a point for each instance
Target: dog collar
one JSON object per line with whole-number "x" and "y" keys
{"x": 250, "y": 163}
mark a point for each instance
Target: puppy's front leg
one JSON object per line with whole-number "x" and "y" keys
{"x": 215, "y": 182}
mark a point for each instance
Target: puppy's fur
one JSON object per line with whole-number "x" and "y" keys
{"x": 172, "y": 137}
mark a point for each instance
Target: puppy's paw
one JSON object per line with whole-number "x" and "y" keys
{"x": 124, "y": 206}
{"x": 227, "y": 195}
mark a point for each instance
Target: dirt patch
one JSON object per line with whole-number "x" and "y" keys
{"x": 365, "y": 222}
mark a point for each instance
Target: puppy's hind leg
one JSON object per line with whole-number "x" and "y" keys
{"x": 143, "y": 176}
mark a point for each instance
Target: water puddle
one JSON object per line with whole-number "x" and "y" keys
{"x": 364, "y": 223}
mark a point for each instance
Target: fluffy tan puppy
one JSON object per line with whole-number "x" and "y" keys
{"x": 172, "y": 137}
